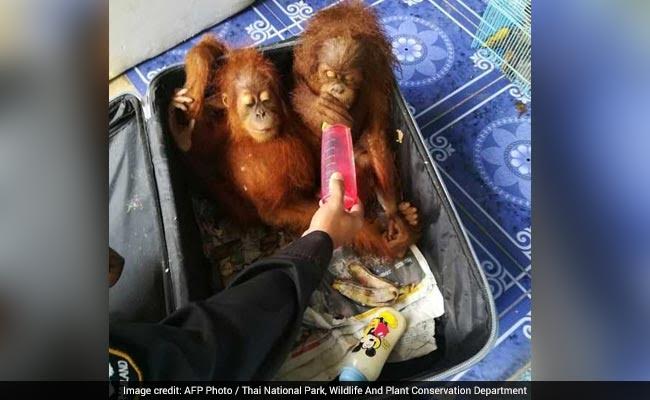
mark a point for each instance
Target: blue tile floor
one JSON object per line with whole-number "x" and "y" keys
{"x": 476, "y": 129}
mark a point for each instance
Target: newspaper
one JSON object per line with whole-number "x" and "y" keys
{"x": 228, "y": 247}
{"x": 332, "y": 323}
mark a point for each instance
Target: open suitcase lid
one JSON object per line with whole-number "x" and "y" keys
{"x": 453, "y": 219}
{"x": 142, "y": 226}
{"x": 135, "y": 225}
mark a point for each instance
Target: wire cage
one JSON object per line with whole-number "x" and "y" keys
{"x": 505, "y": 31}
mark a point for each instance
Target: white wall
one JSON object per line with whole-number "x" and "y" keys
{"x": 141, "y": 29}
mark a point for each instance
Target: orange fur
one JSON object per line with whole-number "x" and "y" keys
{"x": 272, "y": 180}
{"x": 201, "y": 64}
{"x": 375, "y": 162}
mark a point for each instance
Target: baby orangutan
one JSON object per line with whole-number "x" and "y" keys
{"x": 239, "y": 138}
{"x": 343, "y": 71}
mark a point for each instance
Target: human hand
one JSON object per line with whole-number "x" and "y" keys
{"x": 332, "y": 218}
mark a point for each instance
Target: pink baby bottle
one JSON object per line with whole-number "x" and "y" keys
{"x": 337, "y": 155}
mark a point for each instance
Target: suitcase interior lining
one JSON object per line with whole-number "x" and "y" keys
{"x": 135, "y": 227}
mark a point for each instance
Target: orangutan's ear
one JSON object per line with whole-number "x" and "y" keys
{"x": 225, "y": 100}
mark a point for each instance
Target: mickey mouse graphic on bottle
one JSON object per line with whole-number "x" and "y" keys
{"x": 367, "y": 358}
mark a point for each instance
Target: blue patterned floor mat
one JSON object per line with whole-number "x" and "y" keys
{"x": 477, "y": 126}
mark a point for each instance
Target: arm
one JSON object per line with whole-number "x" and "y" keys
{"x": 382, "y": 163}
{"x": 403, "y": 218}
{"x": 304, "y": 102}
{"x": 315, "y": 109}
{"x": 200, "y": 64}
{"x": 246, "y": 331}
{"x": 243, "y": 333}
{"x": 188, "y": 103}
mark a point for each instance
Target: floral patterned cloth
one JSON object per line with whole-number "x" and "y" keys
{"x": 503, "y": 157}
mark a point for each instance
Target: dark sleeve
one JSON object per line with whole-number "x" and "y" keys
{"x": 244, "y": 332}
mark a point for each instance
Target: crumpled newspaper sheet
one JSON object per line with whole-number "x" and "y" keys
{"x": 332, "y": 323}
{"x": 228, "y": 247}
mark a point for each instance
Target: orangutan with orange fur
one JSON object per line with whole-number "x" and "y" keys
{"x": 239, "y": 138}
{"x": 343, "y": 73}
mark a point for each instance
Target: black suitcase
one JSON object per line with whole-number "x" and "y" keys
{"x": 167, "y": 269}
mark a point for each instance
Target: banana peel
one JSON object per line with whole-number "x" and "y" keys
{"x": 366, "y": 296}
{"x": 368, "y": 289}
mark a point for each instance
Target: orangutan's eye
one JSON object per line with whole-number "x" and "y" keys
{"x": 265, "y": 96}
{"x": 248, "y": 100}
